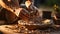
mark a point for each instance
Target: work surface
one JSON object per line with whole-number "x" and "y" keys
{"x": 14, "y": 29}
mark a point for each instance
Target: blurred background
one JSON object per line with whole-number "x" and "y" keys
{"x": 47, "y": 2}
{"x": 39, "y": 3}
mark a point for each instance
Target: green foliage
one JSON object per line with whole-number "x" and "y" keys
{"x": 52, "y": 2}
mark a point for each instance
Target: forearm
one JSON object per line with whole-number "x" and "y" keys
{"x": 14, "y": 4}
{"x": 5, "y": 6}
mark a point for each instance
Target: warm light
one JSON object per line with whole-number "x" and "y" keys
{"x": 55, "y": 6}
{"x": 28, "y": 3}
{"x": 9, "y": 0}
{"x": 47, "y": 21}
